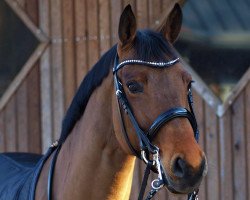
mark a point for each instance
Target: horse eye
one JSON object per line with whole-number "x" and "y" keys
{"x": 134, "y": 87}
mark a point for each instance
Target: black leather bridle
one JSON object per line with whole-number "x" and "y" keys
{"x": 145, "y": 138}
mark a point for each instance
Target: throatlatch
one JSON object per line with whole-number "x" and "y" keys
{"x": 145, "y": 138}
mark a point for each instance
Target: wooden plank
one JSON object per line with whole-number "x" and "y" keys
{"x": 226, "y": 168}
{"x": 45, "y": 78}
{"x": 10, "y": 126}
{"x": 93, "y": 33}
{"x": 131, "y": 2}
{"x": 137, "y": 179}
{"x": 21, "y": 3}
{"x": 22, "y": 118}
{"x": 239, "y": 149}
{"x": 57, "y": 69}
{"x": 247, "y": 135}
{"x": 68, "y": 51}
{"x": 154, "y": 12}
{"x": 116, "y": 10}
{"x": 26, "y": 20}
{"x": 202, "y": 89}
{"x": 81, "y": 40}
{"x": 104, "y": 26}
{"x": 33, "y": 83}
{"x": 212, "y": 150}
{"x": 21, "y": 75}
{"x": 142, "y": 14}
{"x": 235, "y": 92}
{"x": 199, "y": 113}
{"x": 2, "y": 131}
{"x": 31, "y": 8}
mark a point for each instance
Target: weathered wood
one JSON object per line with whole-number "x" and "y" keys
{"x": 21, "y": 3}
{"x": 81, "y": 39}
{"x": 10, "y": 126}
{"x": 226, "y": 168}
{"x": 21, "y": 75}
{"x": 57, "y": 69}
{"x": 31, "y": 8}
{"x": 2, "y": 131}
{"x": 200, "y": 117}
{"x": 247, "y": 133}
{"x": 45, "y": 78}
{"x": 93, "y": 32}
{"x": 137, "y": 179}
{"x": 33, "y": 84}
{"x": 22, "y": 117}
{"x": 131, "y": 2}
{"x": 142, "y": 14}
{"x": 104, "y": 26}
{"x": 116, "y": 9}
{"x": 239, "y": 149}
{"x": 154, "y": 12}
{"x": 26, "y": 20}
{"x": 235, "y": 92}
{"x": 212, "y": 150}
{"x": 68, "y": 52}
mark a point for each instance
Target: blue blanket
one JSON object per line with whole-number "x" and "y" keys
{"x": 17, "y": 171}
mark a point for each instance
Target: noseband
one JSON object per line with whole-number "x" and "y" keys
{"x": 145, "y": 138}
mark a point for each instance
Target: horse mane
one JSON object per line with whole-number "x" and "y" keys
{"x": 149, "y": 46}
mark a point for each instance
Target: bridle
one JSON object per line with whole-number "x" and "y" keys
{"x": 146, "y": 147}
{"x": 145, "y": 138}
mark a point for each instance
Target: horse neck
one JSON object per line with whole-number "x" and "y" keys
{"x": 91, "y": 164}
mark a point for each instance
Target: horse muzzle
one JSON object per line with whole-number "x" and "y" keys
{"x": 184, "y": 179}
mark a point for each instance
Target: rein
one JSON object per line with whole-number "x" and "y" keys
{"x": 145, "y": 138}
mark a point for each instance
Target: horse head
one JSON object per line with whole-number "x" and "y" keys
{"x": 154, "y": 92}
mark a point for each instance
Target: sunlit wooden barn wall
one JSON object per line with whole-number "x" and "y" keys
{"x": 78, "y": 33}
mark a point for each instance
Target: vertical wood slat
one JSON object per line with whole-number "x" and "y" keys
{"x": 247, "y": 120}
{"x": 200, "y": 115}
{"x": 104, "y": 26}
{"x": 45, "y": 78}
{"x": 22, "y": 117}
{"x": 137, "y": 179}
{"x": 2, "y": 131}
{"x": 31, "y": 8}
{"x": 57, "y": 69}
{"x": 81, "y": 39}
{"x": 68, "y": 51}
{"x": 116, "y": 10}
{"x": 154, "y": 12}
{"x": 34, "y": 130}
{"x": 226, "y": 176}
{"x": 10, "y": 126}
{"x": 239, "y": 154}
{"x": 33, "y": 91}
{"x": 212, "y": 137}
{"x": 93, "y": 33}
{"x": 142, "y": 14}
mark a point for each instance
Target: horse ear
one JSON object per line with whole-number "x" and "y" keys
{"x": 127, "y": 26}
{"x": 171, "y": 25}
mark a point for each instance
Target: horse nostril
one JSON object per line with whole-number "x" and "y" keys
{"x": 179, "y": 167}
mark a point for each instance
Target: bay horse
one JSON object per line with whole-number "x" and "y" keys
{"x": 135, "y": 102}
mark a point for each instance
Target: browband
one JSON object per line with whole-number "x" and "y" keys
{"x": 141, "y": 62}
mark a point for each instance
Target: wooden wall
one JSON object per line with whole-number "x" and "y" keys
{"x": 75, "y": 34}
